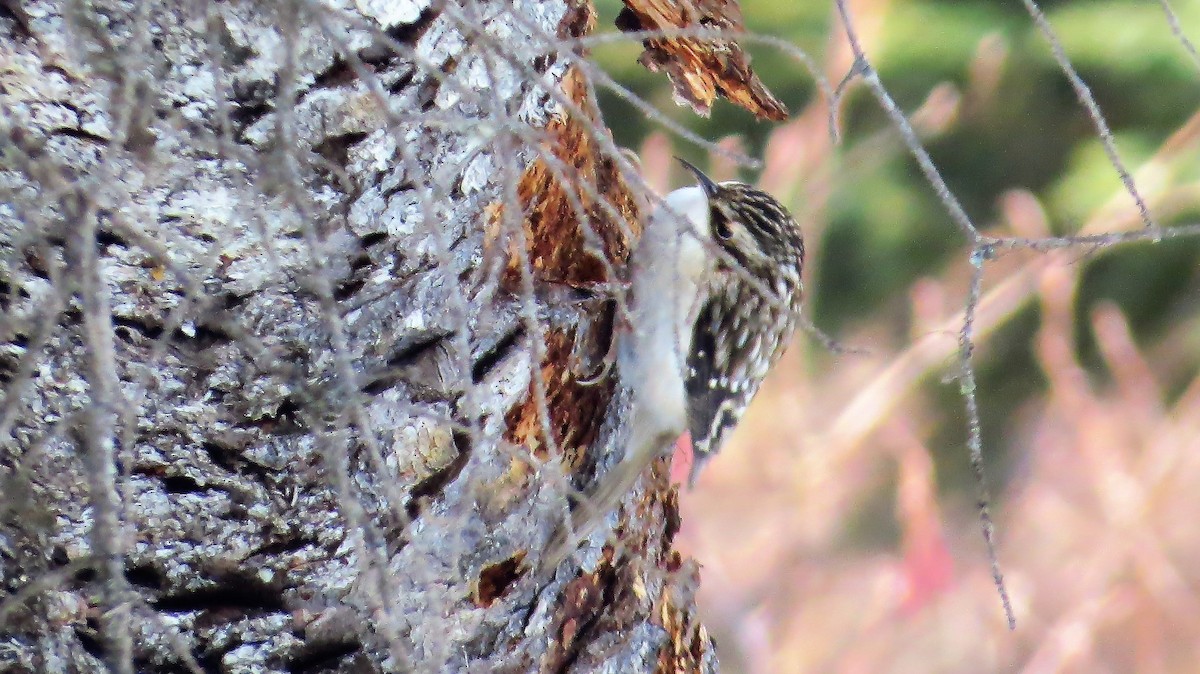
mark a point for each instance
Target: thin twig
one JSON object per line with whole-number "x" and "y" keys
{"x": 1093, "y": 110}
{"x": 957, "y": 214}
{"x": 1177, "y": 31}
{"x": 372, "y": 562}
{"x": 966, "y": 346}
{"x": 99, "y": 438}
{"x": 46, "y": 581}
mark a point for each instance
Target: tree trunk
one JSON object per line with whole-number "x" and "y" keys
{"x": 294, "y": 298}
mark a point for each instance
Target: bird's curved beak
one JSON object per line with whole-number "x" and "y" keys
{"x": 706, "y": 183}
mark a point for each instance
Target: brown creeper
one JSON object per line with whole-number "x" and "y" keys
{"x": 714, "y": 296}
{"x": 747, "y": 309}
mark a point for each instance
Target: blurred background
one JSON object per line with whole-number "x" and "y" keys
{"x": 838, "y": 532}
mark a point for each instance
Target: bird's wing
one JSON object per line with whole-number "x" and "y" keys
{"x": 718, "y": 384}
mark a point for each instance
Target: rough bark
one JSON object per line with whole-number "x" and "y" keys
{"x": 289, "y": 299}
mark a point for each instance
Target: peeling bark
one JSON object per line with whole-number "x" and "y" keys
{"x": 701, "y": 69}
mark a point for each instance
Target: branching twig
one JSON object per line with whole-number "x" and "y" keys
{"x": 983, "y": 247}
{"x": 863, "y": 65}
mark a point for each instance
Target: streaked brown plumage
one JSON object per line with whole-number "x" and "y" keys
{"x": 749, "y": 309}
{"x": 714, "y": 296}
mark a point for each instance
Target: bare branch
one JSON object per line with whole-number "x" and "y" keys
{"x": 974, "y": 429}
{"x": 1093, "y": 110}
{"x": 863, "y": 65}
{"x": 1177, "y": 31}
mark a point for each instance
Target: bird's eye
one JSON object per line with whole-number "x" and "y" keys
{"x": 721, "y": 227}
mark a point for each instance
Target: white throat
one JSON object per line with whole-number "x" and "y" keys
{"x": 691, "y": 203}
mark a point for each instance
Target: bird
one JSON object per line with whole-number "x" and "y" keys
{"x": 748, "y": 308}
{"x": 714, "y": 296}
